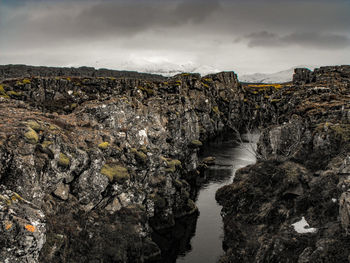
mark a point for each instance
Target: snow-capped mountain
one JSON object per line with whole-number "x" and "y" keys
{"x": 278, "y": 77}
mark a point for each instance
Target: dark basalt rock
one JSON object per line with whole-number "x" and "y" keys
{"x": 302, "y": 172}
{"x": 105, "y": 159}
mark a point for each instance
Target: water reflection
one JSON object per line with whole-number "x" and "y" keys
{"x": 199, "y": 238}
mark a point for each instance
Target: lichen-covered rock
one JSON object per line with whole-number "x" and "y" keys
{"x": 23, "y": 228}
{"x": 101, "y": 148}
{"x": 302, "y": 172}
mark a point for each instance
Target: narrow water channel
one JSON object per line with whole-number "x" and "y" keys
{"x": 206, "y": 244}
{"x": 198, "y": 239}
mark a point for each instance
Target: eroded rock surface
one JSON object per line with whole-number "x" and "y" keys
{"x": 108, "y": 160}
{"x": 302, "y": 176}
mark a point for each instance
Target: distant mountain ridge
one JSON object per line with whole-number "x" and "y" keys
{"x": 278, "y": 77}
{"x": 16, "y": 71}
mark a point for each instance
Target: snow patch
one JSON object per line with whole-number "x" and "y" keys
{"x": 303, "y": 227}
{"x": 143, "y": 136}
{"x": 334, "y": 200}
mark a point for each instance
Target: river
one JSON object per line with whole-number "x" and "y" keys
{"x": 198, "y": 239}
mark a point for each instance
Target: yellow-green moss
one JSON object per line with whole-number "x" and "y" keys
{"x": 216, "y": 110}
{"x": 275, "y": 100}
{"x": 2, "y": 90}
{"x": 31, "y": 136}
{"x": 46, "y": 144}
{"x": 140, "y": 155}
{"x": 26, "y": 81}
{"x": 341, "y": 130}
{"x": 14, "y": 93}
{"x": 144, "y": 149}
{"x": 53, "y": 127}
{"x": 73, "y": 106}
{"x": 103, "y": 145}
{"x": 148, "y": 90}
{"x": 172, "y": 164}
{"x": 115, "y": 172}
{"x": 63, "y": 160}
{"x": 35, "y": 125}
{"x": 196, "y": 143}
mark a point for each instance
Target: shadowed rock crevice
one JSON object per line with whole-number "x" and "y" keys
{"x": 302, "y": 176}
{"x": 108, "y": 160}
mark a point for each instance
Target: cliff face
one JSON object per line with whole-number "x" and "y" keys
{"x": 302, "y": 177}
{"x": 89, "y": 166}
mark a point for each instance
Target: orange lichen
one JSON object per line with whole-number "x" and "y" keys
{"x": 8, "y": 225}
{"x": 30, "y": 228}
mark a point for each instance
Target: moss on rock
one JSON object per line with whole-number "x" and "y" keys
{"x": 103, "y": 145}
{"x": 172, "y": 165}
{"x": 35, "y": 125}
{"x": 46, "y": 144}
{"x": 63, "y": 160}
{"x": 216, "y": 110}
{"x": 115, "y": 172}
{"x": 31, "y": 136}
{"x": 196, "y": 143}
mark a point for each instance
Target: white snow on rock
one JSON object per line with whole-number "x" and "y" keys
{"x": 303, "y": 227}
{"x": 143, "y": 137}
{"x": 278, "y": 77}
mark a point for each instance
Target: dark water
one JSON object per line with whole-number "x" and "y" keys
{"x": 199, "y": 238}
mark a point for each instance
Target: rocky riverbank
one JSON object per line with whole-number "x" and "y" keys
{"x": 293, "y": 204}
{"x": 91, "y": 166}
{"x": 92, "y": 163}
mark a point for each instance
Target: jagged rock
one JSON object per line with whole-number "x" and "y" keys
{"x": 302, "y": 172}
{"x": 108, "y": 147}
{"x": 23, "y": 228}
{"x": 62, "y": 191}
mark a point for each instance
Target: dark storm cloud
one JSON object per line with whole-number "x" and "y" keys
{"x": 79, "y": 19}
{"x": 175, "y": 32}
{"x": 311, "y": 39}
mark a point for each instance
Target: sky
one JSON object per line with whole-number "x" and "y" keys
{"x": 170, "y": 36}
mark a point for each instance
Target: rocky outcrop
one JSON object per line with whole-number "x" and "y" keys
{"x": 107, "y": 161}
{"x": 293, "y": 204}
{"x": 24, "y": 71}
{"x": 95, "y": 165}
{"x": 23, "y": 228}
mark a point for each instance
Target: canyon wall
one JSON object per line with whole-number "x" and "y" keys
{"x": 293, "y": 204}
{"x": 90, "y": 166}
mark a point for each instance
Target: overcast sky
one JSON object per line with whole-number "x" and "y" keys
{"x": 246, "y": 36}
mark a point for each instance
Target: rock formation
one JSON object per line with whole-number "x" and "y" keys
{"x": 91, "y": 166}
{"x": 93, "y": 163}
{"x": 302, "y": 176}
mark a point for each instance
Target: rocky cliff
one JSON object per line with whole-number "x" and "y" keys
{"x": 90, "y": 166}
{"x": 293, "y": 204}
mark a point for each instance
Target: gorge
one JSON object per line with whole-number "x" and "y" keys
{"x": 93, "y": 163}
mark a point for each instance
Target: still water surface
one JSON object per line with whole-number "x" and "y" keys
{"x": 206, "y": 242}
